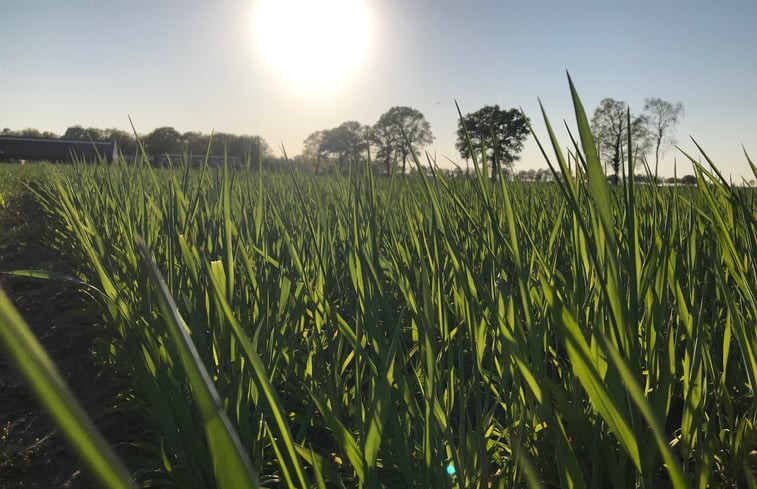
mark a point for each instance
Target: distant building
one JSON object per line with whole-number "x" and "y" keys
{"x": 56, "y": 150}
{"x": 174, "y": 159}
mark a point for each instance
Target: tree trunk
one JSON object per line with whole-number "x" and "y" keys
{"x": 656, "y": 158}
{"x": 616, "y": 156}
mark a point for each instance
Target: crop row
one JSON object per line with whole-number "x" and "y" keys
{"x": 350, "y": 331}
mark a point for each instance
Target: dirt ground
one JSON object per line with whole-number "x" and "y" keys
{"x": 32, "y": 453}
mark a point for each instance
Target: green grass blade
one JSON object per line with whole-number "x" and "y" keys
{"x": 341, "y": 435}
{"x": 671, "y": 464}
{"x": 230, "y": 461}
{"x": 584, "y": 367}
{"x": 45, "y": 275}
{"x": 379, "y": 411}
{"x": 597, "y": 182}
{"x": 263, "y": 382}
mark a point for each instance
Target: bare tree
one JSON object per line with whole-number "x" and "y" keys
{"x": 661, "y": 118}
{"x": 609, "y": 126}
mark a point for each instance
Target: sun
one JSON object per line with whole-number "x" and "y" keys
{"x": 314, "y": 45}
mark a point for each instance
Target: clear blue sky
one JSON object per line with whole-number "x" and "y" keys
{"x": 194, "y": 65}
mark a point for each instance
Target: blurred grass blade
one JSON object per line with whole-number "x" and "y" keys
{"x": 52, "y": 391}
{"x": 45, "y": 275}
{"x": 230, "y": 461}
{"x": 341, "y": 435}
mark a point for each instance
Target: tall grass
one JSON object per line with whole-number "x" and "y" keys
{"x": 299, "y": 331}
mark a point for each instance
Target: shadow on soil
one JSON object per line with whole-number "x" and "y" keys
{"x": 32, "y": 453}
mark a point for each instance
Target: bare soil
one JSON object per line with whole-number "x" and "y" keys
{"x": 32, "y": 452}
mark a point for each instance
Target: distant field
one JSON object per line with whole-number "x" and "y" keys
{"x": 12, "y": 179}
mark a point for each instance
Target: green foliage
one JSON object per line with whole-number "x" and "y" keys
{"x": 361, "y": 332}
{"x": 313, "y": 154}
{"x": 88, "y": 134}
{"x": 496, "y": 135}
{"x": 163, "y": 140}
{"x": 399, "y": 133}
{"x": 14, "y": 178}
{"x": 345, "y": 143}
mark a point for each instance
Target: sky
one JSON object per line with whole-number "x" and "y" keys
{"x": 200, "y": 66}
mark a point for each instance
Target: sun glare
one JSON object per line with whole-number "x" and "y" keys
{"x": 314, "y": 45}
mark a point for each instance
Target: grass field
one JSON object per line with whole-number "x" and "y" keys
{"x": 286, "y": 330}
{"x": 13, "y": 177}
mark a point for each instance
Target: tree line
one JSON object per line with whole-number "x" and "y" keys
{"x": 492, "y": 136}
{"x": 653, "y": 129}
{"x": 164, "y": 140}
